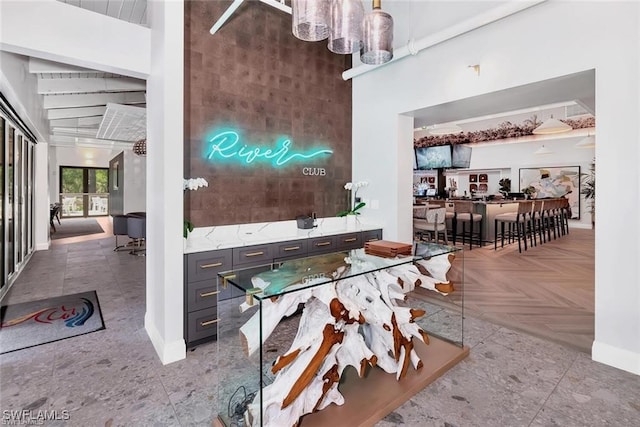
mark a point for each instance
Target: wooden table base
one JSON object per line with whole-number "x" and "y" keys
{"x": 370, "y": 399}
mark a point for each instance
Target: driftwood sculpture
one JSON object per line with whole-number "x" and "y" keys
{"x": 353, "y": 321}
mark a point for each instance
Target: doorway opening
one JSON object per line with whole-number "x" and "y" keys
{"x": 84, "y": 192}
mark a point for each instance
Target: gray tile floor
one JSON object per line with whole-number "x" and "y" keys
{"x": 114, "y": 378}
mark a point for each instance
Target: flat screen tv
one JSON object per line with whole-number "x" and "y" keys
{"x": 434, "y": 157}
{"x": 460, "y": 156}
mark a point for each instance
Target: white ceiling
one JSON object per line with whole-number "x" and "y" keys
{"x": 134, "y": 11}
{"x": 76, "y": 99}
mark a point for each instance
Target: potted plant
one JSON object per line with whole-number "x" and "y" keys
{"x": 505, "y": 186}
{"x": 529, "y": 191}
{"x": 588, "y": 190}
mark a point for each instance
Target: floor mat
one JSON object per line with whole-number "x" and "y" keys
{"x": 33, "y": 323}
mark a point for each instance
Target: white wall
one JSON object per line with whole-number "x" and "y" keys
{"x": 20, "y": 89}
{"x": 549, "y": 40}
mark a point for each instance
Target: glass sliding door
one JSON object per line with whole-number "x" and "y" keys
{"x": 16, "y": 190}
{"x": 10, "y": 205}
{"x": 84, "y": 192}
{"x": 3, "y": 171}
{"x": 19, "y": 200}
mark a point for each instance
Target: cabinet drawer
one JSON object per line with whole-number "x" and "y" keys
{"x": 258, "y": 254}
{"x": 206, "y": 265}
{"x": 202, "y": 324}
{"x": 290, "y": 250}
{"x": 201, "y": 295}
{"x": 371, "y": 235}
{"x": 349, "y": 241}
{"x": 320, "y": 245}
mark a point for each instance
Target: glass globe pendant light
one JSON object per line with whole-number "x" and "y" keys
{"x": 377, "y": 47}
{"x": 310, "y": 19}
{"x": 346, "y": 18}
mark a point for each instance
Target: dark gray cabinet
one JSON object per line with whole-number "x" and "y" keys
{"x": 201, "y": 294}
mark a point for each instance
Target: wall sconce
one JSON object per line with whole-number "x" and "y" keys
{"x": 475, "y": 69}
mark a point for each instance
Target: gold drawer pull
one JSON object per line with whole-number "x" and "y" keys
{"x": 352, "y": 239}
{"x": 209, "y": 322}
{"x": 254, "y": 254}
{"x": 292, "y": 248}
{"x": 323, "y": 243}
{"x": 215, "y": 264}
{"x": 372, "y": 240}
{"x": 209, "y": 294}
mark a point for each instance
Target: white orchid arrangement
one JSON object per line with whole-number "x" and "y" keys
{"x": 355, "y": 204}
{"x": 194, "y": 183}
{"x": 191, "y": 184}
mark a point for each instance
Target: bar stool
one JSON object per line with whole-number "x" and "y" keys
{"x": 537, "y": 223}
{"x": 434, "y": 222}
{"x": 565, "y": 214}
{"x": 137, "y": 230}
{"x": 463, "y": 212}
{"x": 520, "y": 219}
{"x": 119, "y": 228}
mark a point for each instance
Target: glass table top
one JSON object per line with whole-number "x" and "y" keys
{"x": 272, "y": 280}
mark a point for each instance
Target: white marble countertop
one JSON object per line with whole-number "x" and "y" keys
{"x": 203, "y": 239}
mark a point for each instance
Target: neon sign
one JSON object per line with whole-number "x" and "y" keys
{"x": 226, "y": 145}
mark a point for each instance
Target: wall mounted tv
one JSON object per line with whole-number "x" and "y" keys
{"x": 434, "y": 157}
{"x": 461, "y": 156}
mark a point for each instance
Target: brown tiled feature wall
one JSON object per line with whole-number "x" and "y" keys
{"x": 255, "y": 76}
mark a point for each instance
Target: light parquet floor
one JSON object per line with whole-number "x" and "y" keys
{"x": 547, "y": 291}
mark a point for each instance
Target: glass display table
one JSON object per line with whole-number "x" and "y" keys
{"x": 310, "y": 340}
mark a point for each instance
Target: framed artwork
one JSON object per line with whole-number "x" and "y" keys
{"x": 431, "y": 179}
{"x": 483, "y": 177}
{"x": 473, "y": 187}
{"x": 483, "y": 187}
{"x": 473, "y": 178}
{"x": 561, "y": 181}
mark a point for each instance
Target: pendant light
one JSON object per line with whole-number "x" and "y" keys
{"x": 140, "y": 147}
{"x": 345, "y": 35}
{"x": 552, "y": 126}
{"x": 310, "y": 19}
{"x": 377, "y": 45}
{"x": 542, "y": 151}
{"x": 444, "y": 129}
{"x": 587, "y": 142}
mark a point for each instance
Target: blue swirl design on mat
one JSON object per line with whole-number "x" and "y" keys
{"x": 83, "y": 316}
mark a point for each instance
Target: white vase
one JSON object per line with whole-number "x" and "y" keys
{"x": 352, "y": 222}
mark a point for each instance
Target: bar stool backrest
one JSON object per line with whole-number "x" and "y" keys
{"x": 463, "y": 207}
{"x": 538, "y": 205}
{"x": 525, "y": 207}
{"x": 436, "y": 216}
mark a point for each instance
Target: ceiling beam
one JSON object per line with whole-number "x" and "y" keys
{"x": 67, "y": 86}
{"x": 89, "y": 122}
{"x": 37, "y": 66}
{"x": 66, "y": 113}
{"x": 93, "y": 99}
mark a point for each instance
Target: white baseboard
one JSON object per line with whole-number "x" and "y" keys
{"x": 167, "y": 352}
{"x": 43, "y": 246}
{"x": 616, "y": 357}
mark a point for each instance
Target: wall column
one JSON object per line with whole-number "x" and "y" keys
{"x": 41, "y": 197}
{"x": 164, "y": 316}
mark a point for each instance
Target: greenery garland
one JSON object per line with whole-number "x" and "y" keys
{"x": 504, "y": 130}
